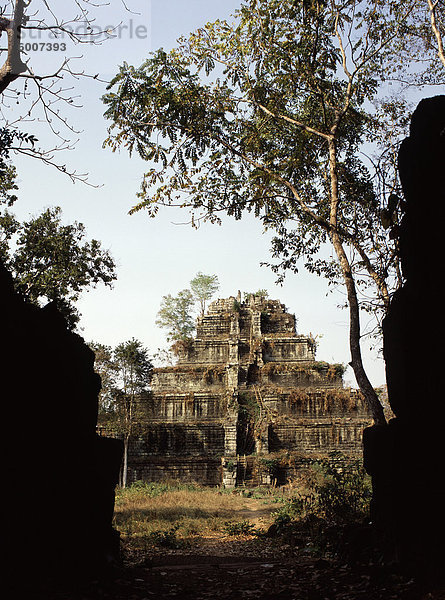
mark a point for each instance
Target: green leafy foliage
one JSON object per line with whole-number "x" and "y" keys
{"x": 133, "y": 367}
{"x": 175, "y": 315}
{"x": 10, "y": 139}
{"x": 346, "y": 494}
{"x": 239, "y": 528}
{"x": 49, "y": 261}
{"x": 9, "y": 225}
{"x": 106, "y": 367}
{"x": 203, "y": 287}
{"x": 52, "y": 262}
{"x": 259, "y": 295}
{"x": 125, "y": 373}
{"x": 340, "y": 492}
{"x": 7, "y": 170}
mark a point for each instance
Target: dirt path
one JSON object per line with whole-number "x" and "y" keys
{"x": 221, "y": 567}
{"x": 247, "y": 577}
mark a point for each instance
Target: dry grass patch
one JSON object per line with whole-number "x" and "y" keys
{"x": 174, "y": 515}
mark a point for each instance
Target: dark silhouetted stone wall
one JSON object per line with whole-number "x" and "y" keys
{"x": 58, "y": 475}
{"x": 407, "y": 458}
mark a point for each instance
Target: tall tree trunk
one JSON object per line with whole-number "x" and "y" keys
{"x": 356, "y": 363}
{"x": 125, "y": 463}
{"x": 369, "y": 393}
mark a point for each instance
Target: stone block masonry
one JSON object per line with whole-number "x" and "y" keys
{"x": 247, "y": 386}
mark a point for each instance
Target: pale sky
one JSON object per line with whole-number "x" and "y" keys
{"x": 157, "y": 256}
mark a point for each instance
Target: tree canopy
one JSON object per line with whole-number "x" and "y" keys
{"x": 126, "y": 373}
{"x": 286, "y": 113}
{"x": 203, "y": 287}
{"x": 52, "y": 262}
{"x": 175, "y": 315}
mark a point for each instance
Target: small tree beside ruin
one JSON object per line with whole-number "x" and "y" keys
{"x": 176, "y": 313}
{"x": 203, "y": 287}
{"x": 126, "y": 374}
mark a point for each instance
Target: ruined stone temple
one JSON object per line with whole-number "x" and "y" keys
{"x": 246, "y": 402}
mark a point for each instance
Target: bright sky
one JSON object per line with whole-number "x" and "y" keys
{"x": 157, "y": 256}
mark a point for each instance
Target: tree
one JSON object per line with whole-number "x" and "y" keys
{"x": 125, "y": 373}
{"x": 437, "y": 26}
{"x": 133, "y": 375}
{"x": 105, "y": 366}
{"x": 52, "y": 262}
{"x": 42, "y": 93}
{"x": 175, "y": 315}
{"x": 8, "y": 174}
{"x": 272, "y": 114}
{"x": 176, "y": 312}
{"x": 203, "y": 287}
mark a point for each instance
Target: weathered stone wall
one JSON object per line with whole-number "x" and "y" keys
{"x": 288, "y": 349}
{"x": 184, "y": 379}
{"x": 179, "y": 439}
{"x": 295, "y": 375}
{"x": 194, "y": 406}
{"x": 202, "y": 352}
{"x": 310, "y": 437}
{"x": 207, "y": 327}
{"x": 302, "y": 403}
{"x": 205, "y": 470}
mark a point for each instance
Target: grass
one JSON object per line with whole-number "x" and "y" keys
{"x": 333, "y": 491}
{"x": 172, "y": 515}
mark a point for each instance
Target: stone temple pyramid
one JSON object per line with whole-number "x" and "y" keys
{"x": 247, "y": 402}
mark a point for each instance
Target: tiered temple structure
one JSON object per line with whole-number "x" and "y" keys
{"x": 246, "y": 402}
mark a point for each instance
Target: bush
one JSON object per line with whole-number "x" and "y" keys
{"x": 340, "y": 491}
{"x": 165, "y": 538}
{"x": 239, "y": 528}
{"x": 346, "y": 493}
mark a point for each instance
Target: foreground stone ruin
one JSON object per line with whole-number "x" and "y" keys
{"x": 60, "y": 476}
{"x": 246, "y": 403}
{"x": 406, "y": 458}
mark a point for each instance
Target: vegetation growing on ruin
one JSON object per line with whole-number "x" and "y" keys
{"x": 182, "y": 345}
{"x": 203, "y": 287}
{"x": 332, "y": 371}
{"x": 214, "y": 374}
{"x": 210, "y": 374}
{"x": 176, "y": 313}
{"x": 341, "y": 400}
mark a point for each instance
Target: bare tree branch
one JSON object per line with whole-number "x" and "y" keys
{"x": 42, "y": 94}
{"x": 432, "y": 6}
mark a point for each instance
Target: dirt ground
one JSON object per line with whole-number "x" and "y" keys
{"x": 220, "y": 566}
